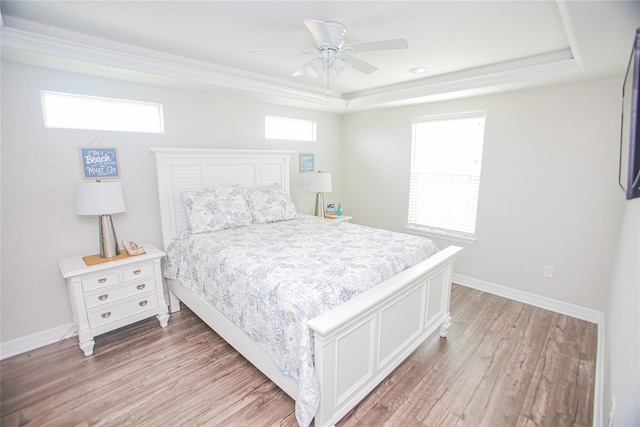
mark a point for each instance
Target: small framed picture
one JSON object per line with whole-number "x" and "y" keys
{"x": 331, "y": 208}
{"x": 306, "y": 162}
{"x": 132, "y": 248}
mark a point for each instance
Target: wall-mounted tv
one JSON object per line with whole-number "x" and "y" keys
{"x": 629, "y": 171}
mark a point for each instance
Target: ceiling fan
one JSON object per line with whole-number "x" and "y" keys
{"x": 334, "y": 58}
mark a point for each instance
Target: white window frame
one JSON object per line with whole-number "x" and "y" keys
{"x": 289, "y": 129}
{"x": 464, "y": 229}
{"x": 73, "y": 111}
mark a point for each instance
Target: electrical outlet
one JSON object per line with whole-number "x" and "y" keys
{"x": 548, "y": 271}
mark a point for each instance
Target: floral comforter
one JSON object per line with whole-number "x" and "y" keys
{"x": 270, "y": 279}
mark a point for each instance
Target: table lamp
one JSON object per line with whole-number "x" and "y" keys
{"x": 320, "y": 183}
{"x": 102, "y": 199}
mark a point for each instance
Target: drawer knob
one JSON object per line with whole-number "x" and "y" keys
{"x": 136, "y": 271}
{"x": 143, "y": 303}
{"x": 104, "y": 279}
{"x": 105, "y": 315}
{"x": 103, "y": 297}
{"x": 141, "y": 286}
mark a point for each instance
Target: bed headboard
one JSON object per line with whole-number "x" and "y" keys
{"x": 193, "y": 169}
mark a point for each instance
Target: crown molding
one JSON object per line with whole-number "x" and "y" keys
{"x": 53, "y": 52}
{"x": 45, "y": 46}
{"x": 476, "y": 81}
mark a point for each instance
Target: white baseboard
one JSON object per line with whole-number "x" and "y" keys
{"x": 561, "y": 307}
{"x": 37, "y": 340}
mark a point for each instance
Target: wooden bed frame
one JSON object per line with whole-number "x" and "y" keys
{"x": 358, "y": 343}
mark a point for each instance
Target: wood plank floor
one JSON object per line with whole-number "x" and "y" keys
{"x": 503, "y": 364}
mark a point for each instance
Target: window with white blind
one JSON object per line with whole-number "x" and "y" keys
{"x": 446, "y": 159}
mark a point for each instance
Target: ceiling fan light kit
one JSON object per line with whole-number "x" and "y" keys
{"x": 334, "y": 67}
{"x": 334, "y": 60}
{"x": 313, "y": 68}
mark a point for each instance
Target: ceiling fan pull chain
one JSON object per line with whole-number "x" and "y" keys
{"x": 327, "y": 90}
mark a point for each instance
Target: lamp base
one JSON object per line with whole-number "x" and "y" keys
{"x": 108, "y": 239}
{"x": 320, "y": 205}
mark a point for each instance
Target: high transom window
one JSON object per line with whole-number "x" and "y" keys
{"x": 290, "y": 129}
{"x": 71, "y": 111}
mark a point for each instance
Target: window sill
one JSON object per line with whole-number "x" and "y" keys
{"x": 440, "y": 235}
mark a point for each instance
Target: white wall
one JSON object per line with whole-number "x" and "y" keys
{"x": 623, "y": 324}
{"x": 548, "y": 191}
{"x": 41, "y": 166}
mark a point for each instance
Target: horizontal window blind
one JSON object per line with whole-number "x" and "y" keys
{"x": 455, "y": 195}
{"x": 445, "y": 174}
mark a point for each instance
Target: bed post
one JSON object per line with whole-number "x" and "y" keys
{"x": 174, "y": 302}
{"x": 444, "y": 328}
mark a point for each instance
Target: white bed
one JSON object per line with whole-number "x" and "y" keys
{"x": 385, "y": 324}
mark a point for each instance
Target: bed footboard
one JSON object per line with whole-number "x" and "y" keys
{"x": 360, "y": 342}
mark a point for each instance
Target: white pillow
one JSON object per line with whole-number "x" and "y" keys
{"x": 270, "y": 205}
{"x": 217, "y": 209}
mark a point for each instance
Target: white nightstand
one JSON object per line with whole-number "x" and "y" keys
{"x": 109, "y": 295}
{"x": 343, "y": 218}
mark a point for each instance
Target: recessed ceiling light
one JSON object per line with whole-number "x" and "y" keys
{"x": 418, "y": 70}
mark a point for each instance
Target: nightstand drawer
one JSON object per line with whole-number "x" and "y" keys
{"x": 108, "y": 296}
{"x": 119, "y": 311}
{"x": 106, "y": 278}
{"x": 137, "y": 271}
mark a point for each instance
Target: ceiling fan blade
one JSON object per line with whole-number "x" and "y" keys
{"x": 299, "y": 72}
{"x": 363, "y": 67}
{"x": 319, "y": 31}
{"x": 375, "y": 45}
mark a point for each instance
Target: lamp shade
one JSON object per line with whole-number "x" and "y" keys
{"x": 314, "y": 67}
{"x": 319, "y": 182}
{"x": 99, "y": 198}
{"x": 342, "y": 68}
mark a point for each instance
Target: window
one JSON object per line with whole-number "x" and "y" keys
{"x": 446, "y": 156}
{"x": 292, "y": 129}
{"x": 64, "y": 110}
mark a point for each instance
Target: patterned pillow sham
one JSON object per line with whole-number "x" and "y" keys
{"x": 216, "y": 209}
{"x": 274, "y": 186}
{"x": 270, "y": 205}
